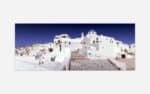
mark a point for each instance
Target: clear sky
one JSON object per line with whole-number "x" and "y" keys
{"x": 28, "y": 34}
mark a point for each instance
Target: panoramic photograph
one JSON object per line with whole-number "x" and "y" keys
{"x": 75, "y": 46}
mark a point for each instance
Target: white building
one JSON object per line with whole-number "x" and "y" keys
{"x": 66, "y": 41}
{"x": 90, "y": 45}
{"x": 99, "y": 46}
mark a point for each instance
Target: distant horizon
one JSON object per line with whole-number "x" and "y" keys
{"x": 29, "y": 34}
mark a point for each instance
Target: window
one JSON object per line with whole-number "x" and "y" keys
{"x": 89, "y": 53}
{"x": 59, "y": 41}
{"x": 64, "y": 36}
{"x": 93, "y": 41}
{"x": 69, "y": 43}
{"x": 97, "y": 39}
{"x": 123, "y": 56}
{"x": 50, "y": 49}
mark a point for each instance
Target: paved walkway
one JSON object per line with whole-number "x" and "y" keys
{"x": 79, "y": 62}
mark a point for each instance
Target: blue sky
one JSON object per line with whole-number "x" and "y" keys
{"x": 28, "y": 34}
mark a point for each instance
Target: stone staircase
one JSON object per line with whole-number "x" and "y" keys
{"x": 76, "y": 56}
